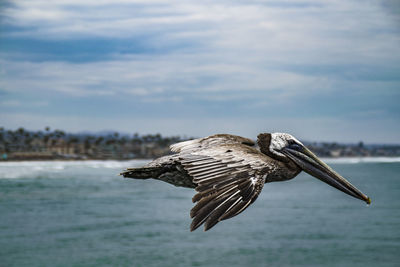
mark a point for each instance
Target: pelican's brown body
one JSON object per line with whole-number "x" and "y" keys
{"x": 229, "y": 171}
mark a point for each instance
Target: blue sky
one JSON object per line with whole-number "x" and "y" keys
{"x": 321, "y": 70}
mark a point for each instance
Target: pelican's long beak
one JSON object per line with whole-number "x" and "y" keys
{"x": 312, "y": 165}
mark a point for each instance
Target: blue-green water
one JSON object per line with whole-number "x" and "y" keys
{"x": 83, "y": 214}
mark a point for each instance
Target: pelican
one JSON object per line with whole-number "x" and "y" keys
{"x": 228, "y": 172}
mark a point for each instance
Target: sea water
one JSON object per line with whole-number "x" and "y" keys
{"x": 81, "y": 213}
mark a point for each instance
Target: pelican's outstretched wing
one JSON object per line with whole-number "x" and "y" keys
{"x": 206, "y": 142}
{"x": 229, "y": 178}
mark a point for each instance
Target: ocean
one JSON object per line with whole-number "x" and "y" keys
{"x": 81, "y": 213}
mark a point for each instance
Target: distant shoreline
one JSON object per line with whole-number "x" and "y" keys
{"x": 24, "y": 145}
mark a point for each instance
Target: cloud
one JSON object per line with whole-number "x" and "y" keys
{"x": 286, "y": 28}
{"x": 143, "y": 76}
{"x": 18, "y": 103}
{"x": 210, "y": 60}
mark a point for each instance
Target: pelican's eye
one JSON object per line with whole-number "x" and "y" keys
{"x": 295, "y": 146}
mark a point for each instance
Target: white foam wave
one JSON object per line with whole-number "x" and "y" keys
{"x": 32, "y": 169}
{"x": 352, "y": 160}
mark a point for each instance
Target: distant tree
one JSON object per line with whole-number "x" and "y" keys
{"x": 123, "y": 141}
{"x": 73, "y": 139}
{"x": 21, "y": 131}
{"x": 13, "y": 136}
{"x": 59, "y": 134}
{"x": 99, "y": 140}
{"x": 53, "y": 142}
{"x": 46, "y": 138}
{"x": 87, "y": 143}
{"x": 136, "y": 140}
{"x": 28, "y": 140}
{"x": 110, "y": 141}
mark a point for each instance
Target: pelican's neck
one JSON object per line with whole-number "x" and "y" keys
{"x": 283, "y": 171}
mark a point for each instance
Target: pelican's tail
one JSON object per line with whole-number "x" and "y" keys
{"x": 142, "y": 172}
{"x": 165, "y": 169}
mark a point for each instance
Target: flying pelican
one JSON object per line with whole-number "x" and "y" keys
{"x": 229, "y": 172}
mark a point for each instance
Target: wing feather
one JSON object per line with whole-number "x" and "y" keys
{"x": 206, "y": 190}
{"x": 210, "y": 141}
{"x": 227, "y": 183}
{"x": 213, "y": 219}
{"x": 207, "y": 210}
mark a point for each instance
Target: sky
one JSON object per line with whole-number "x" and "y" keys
{"x": 320, "y": 70}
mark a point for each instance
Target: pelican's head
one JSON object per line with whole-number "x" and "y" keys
{"x": 285, "y": 147}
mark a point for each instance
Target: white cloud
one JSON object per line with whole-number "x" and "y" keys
{"x": 144, "y": 76}
{"x": 330, "y": 30}
{"x": 215, "y": 51}
{"x": 17, "y": 103}
{"x": 288, "y": 32}
{"x": 10, "y": 103}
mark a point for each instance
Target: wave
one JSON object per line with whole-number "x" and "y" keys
{"x": 35, "y": 169}
{"x": 54, "y": 169}
{"x": 60, "y": 163}
{"x": 352, "y": 160}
